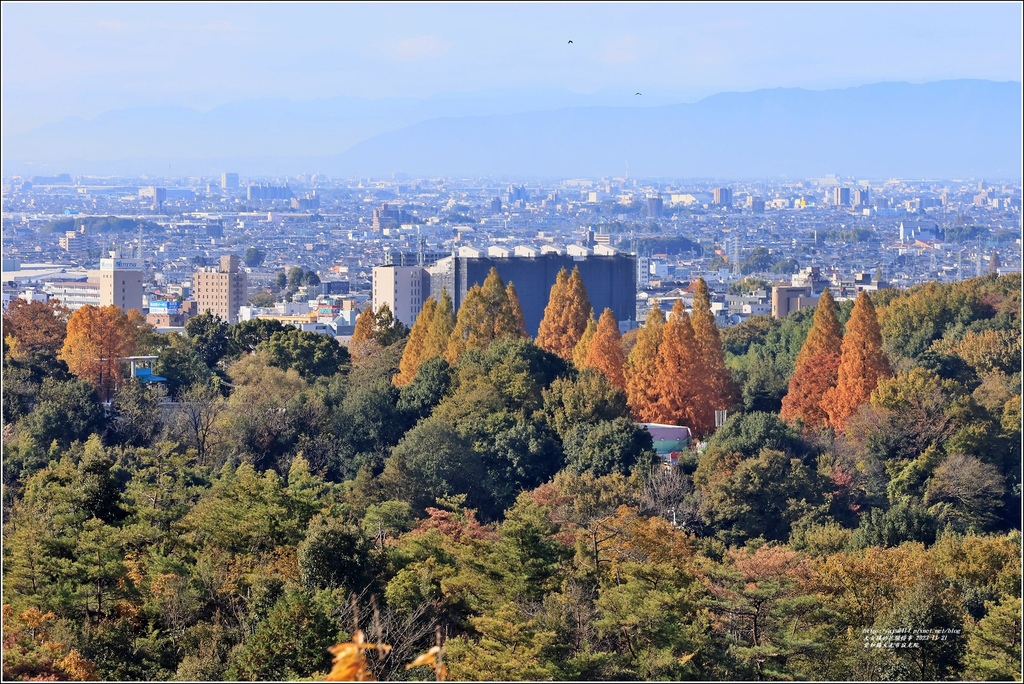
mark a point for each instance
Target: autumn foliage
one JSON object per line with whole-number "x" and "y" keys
{"x": 412, "y": 355}
{"x": 605, "y": 350}
{"x": 861, "y": 366}
{"x": 817, "y": 367}
{"x": 363, "y": 343}
{"x": 566, "y": 315}
{"x": 641, "y": 367}
{"x": 716, "y": 389}
{"x": 677, "y": 374}
{"x": 97, "y": 337}
{"x": 435, "y": 342}
{"x": 35, "y": 327}
{"x": 579, "y": 352}
{"x": 490, "y": 312}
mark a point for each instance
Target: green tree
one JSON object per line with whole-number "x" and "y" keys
{"x": 289, "y": 644}
{"x": 253, "y": 257}
{"x": 993, "y": 644}
{"x": 181, "y": 365}
{"x": 312, "y": 354}
{"x": 209, "y": 336}
{"x": 247, "y": 335}
{"x": 136, "y": 410}
{"x": 615, "y": 446}
{"x": 333, "y": 555}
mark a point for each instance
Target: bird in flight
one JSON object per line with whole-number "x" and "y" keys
{"x": 570, "y": 42}
{"x": 639, "y": 93}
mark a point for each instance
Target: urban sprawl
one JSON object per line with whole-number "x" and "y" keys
{"x": 313, "y": 252}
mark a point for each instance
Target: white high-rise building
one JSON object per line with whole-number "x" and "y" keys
{"x": 402, "y": 288}
{"x": 643, "y": 272}
{"x": 121, "y": 284}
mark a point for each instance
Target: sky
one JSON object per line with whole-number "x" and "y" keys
{"x": 63, "y": 60}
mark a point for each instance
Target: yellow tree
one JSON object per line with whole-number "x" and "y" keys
{"x": 579, "y": 352}
{"x": 641, "y": 366}
{"x": 473, "y": 328}
{"x": 717, "y": 391}
{"x": 862, "y": 364}
{"x": 97, "y": 338}
{"x": 565, "y": 317}
{"x": 412, "y": 355}
{"x": 440, "y": 331}
{"x": 816, "y": 370}
{"x": 516, "y": 309}
{"x": 364, "y": 343}
{"x": 504, "y": 315}
{"x": 549, "y": 333}
{"x": 487, "y": 314}
{"x": 605, "y": 351}
{"x": 677, "y": 373}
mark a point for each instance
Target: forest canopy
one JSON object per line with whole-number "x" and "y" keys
{"x": 280, "y": 494}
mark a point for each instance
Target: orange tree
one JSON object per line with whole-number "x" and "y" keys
{"x": 861, "y": 366}
{"x": 817, "y": 366}
{"x": 97, "y": 337}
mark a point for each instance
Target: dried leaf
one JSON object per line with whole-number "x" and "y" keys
{"x": 349, "y": 664}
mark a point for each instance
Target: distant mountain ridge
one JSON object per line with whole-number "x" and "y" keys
{"x": 941, "y": 129}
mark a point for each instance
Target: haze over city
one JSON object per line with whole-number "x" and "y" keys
{"x": 266, "y": 84}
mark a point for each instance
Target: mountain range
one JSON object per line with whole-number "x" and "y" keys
{"x": 944, "y": 129}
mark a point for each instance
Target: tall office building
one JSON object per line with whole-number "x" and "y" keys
{"x": 862, "y": 197}
{"x": 221, "y": 290}
{"x": 229, "y": 181}
{"x": 723, "y": 197}
{"x": 402, "y": 288}
{"x": 841, "y": 197}
{"x": 655, "y": 205}
{"x": 121, "y": 283}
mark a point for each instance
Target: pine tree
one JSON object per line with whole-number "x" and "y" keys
{"x": 677, "y": 375}
{"x": 817, "y": 367}
{"x": 517, "y": 310}
{"x": 486, "y": 315}
{"x": 468, "y": 332}
{"x": 717, "y": 389}
{"x": 826, "y": 333}
{"x": 438, "y": 335}
{"x": 579, "y": 310}
{"x": 862, "y": 364}
{"x": 605, "y": 352}
{"x": 549, "y": 333}
{"x": 582, "y": 348}
{"x": 565, "y": 317}
{"x": 641, "y": 366}
{"x": 364, "y": 343}
{"x": 412, "y": 355}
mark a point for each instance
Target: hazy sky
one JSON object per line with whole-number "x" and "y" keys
{"x": 82, "y": 59}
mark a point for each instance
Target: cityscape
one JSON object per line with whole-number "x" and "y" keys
{"x": 512, "y": 341}
{"x": 745, "y": 239}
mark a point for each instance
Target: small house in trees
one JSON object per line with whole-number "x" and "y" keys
{"x": 670, "y": 441}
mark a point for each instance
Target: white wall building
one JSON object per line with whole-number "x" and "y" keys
{"x": 402, "y": 288}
